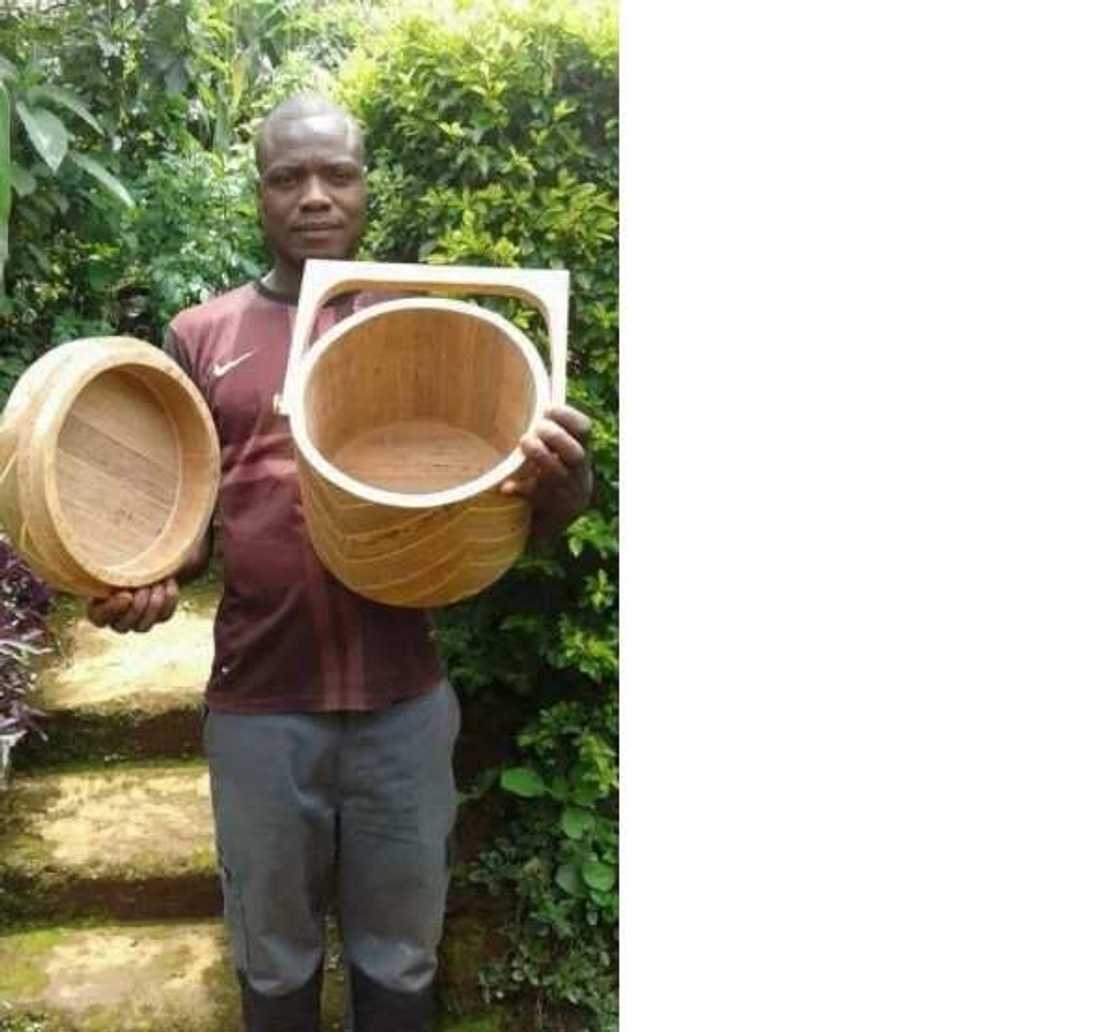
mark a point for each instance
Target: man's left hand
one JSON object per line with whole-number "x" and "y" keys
{"x": 556, "y": 478}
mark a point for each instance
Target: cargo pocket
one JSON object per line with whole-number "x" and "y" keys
{"x": 456, "y": 713}
{"x": 451, "y": 850}
{"x": 204, "y": 728}
{"x": 234, "y": 913}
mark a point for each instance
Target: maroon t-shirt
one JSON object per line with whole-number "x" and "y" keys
{"x": 287, "y": 636}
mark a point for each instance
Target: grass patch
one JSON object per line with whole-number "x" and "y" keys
{"x": 22, "y": 970}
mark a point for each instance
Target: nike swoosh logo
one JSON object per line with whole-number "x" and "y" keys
{"x": 221, "y": 368}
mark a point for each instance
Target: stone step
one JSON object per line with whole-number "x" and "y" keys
{"x": 148, "y": 977}
{"x": 134, "y": 843}
{"x": 130, "y": 841}
{"x": 115, "y": 696}
{"x": 120, "y": 977}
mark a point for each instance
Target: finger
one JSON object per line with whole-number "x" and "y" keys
{"x": 571, "y": 419}
{"x": 102, "y": 611}
{"x": 562, "y": 443}
{"x": 522, "y": 486}
{"x": 171, "y": 599}
{"x": 131, "y": 616}
{"x": 523, "y": 482}
{"x": 544, "y": 460}
{"x": 156, "y": 598}
{"x": 95, "y": 611}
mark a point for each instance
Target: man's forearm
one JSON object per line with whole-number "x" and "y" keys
{"x": 550, "y": 522}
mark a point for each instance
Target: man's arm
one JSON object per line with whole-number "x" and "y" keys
{"x": 198, "y": 560}
{"x": 140, "y": 609}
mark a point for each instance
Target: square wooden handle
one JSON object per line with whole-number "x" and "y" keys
{"x": 545, "y": 289}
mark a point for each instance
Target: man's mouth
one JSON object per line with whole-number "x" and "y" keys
{"x": 316, "y": 227}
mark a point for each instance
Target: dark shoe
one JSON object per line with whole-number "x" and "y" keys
{"x": 297, "y": 1011}
{"x": 377, "y": 1009}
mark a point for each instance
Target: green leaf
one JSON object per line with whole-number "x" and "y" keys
{"x": 99, "y": 276}
{"x": 40, "y": 257}
{"x": 559, "y": 788}
{"x": 586, "y": 795}
{"x": 67, "y": 100}
{"x": 47, "y": 134}
{"x": 575, "y": 822}
{"x": 598, "y": 875}
{"x": 7, "y": 69}
{"x": 567, "y": 877}
{"x": 524, "y": 782}
{"x": 23, "y": 182}
{"x": 103, "y": 176}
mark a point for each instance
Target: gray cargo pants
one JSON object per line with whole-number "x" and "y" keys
{"x": 357, "y": 807}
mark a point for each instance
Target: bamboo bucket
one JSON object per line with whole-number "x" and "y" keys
{"x": 109, "y": 463}
{"x": 406, "y": 418}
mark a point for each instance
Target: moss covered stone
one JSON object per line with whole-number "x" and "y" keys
{"x": 173, "y": 977}
{"x": 111, "y": 696}
{"x": 121, "y": 978}
{"x": 74, "y": 843}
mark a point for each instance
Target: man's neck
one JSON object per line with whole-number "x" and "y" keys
{"x": 283, "y": 279}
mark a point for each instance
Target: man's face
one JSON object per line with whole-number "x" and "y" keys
{"x": 312, "y": 189}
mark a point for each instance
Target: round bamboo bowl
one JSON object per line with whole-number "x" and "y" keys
{"x": 406, "y": 418}
{"x": 108, "y": 466}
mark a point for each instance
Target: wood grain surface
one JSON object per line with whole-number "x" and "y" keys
{"x": 415, "y": 456}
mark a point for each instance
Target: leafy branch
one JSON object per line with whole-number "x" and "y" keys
{"x": 51, "y": 141}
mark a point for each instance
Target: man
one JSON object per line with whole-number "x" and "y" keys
{"x": 330, "y": 723}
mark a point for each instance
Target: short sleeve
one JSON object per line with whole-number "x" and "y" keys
{"x": 173, "y": 347}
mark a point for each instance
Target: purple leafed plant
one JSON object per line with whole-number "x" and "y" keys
{"x": 24, "y": 603}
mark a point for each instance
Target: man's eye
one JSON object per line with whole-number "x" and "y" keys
{"x": 343, "y": 175}
{"x": 282, "y": 179}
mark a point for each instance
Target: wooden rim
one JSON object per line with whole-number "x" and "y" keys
{"x": 35, "y": 443}
{"x": 492, "y": 478}
{"x": 120, "y": 354}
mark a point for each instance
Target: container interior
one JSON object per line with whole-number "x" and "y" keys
{"x": 419, "y": 400}
{"x": 132, "y": 470}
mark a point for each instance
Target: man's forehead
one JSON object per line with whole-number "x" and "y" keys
{"x": 323, "y": 136}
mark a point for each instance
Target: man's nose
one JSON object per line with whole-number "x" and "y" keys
{"x": 314, "y": 196}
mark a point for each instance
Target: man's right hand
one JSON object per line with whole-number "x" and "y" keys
{"x": 135, "y": 609}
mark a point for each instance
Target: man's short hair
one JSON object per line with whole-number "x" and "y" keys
{"x": 307, "y": 105}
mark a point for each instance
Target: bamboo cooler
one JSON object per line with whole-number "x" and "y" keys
{"x": 108, "y": 466}
{"x": 406, "y": 418}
